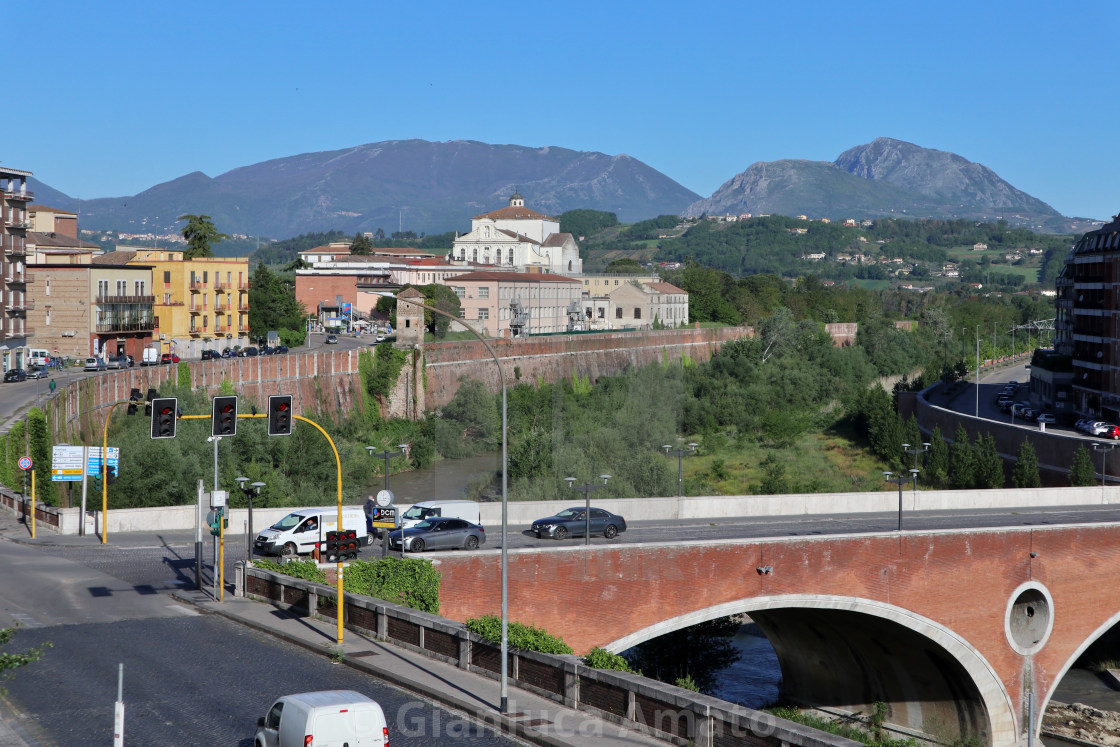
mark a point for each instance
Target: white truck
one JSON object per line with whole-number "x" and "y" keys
{"x": 423, "y": 510}
{"x": 300, "y": 531}
{"x": 151, "y": 356}
{"x": 327, "y": 717}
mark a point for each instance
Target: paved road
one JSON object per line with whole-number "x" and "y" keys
{"x": 189, "y": 679}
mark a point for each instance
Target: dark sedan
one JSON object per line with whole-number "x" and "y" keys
{"x": 15, "y": 374}
{"x": 572, "y": 522}
{"x": 439, "y": 534}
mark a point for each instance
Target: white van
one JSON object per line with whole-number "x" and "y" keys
{"x": 150, "y": 357}
{"x": 328, "y": 718}
{"x": 418, "y": 512}
{"x": 38, "y": 358}
{"x": 299, "y": 532}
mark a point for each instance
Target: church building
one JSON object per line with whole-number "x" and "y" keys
{"x": 519, "y": 239}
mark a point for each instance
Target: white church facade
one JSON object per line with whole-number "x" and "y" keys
{"x": 520, "y": 239}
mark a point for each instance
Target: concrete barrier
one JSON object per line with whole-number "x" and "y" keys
{"x": 699, "y": 508}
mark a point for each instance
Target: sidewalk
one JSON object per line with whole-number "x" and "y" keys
{"x": 529, "y": 717}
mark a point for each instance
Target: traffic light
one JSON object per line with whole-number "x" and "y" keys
{"x": 223, "y": 421}
{"x": 280, "y": 415}
{"x": 152, "y": 394}
{"x": 217, "y": 520}
{"x": 348, "y": 544}
{"x": 164, "y": 413}
{"x": 332, "y": 547}
{"x": 111, "y": 472}
{"x": 134, "y": 400}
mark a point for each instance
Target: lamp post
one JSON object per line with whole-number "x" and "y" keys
{"x": 250, "y": 492}
{"x": 1103, "y": 448}
{"x": 680, "y": 454}
{"x": 900, "y": 481}
{"x": 916, "y": 451}
{"x": 387, "y": 455}
{"x": 977, "y": 413}
{"x": 587, "y": 489}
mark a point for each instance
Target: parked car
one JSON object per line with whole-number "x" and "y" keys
{"x": 266, "y": 350}
{"x": 281, "y": 349}
{"x": 438, "y": 534}
{"x": 38, "y": 372}
{"x": 379, "y": 338}
{"x": 15, "y": 374}
{"x": 1046, "y": 417}
{"x": 229, "y": 353}
{"x": 249, "y": 352}
{"x": 571, "y": 522}
{"x": 209, "y": 355}
{"x": 120, "y": 361}
{"x": 1100, "y": 428}
{"x": 95, "y": 364}
{"x": 331, "y": 340}
{"x": 1112, "y": 432}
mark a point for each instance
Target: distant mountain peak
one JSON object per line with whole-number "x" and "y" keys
{"x": 886, "y": 177}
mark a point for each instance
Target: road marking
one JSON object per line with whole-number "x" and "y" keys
{"x": 183, "y": 610}
{"x": 26, "y": 621}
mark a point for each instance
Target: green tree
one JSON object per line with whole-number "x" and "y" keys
{"x": 200, "y": 234}
{"x": 774, "y": 480}
{"x": 273, "y": 305}
{"x": 624, "y": 266}
{"x": 937, "y": 466}
{"x": 962, "y": 461}
{"x": 700, "y": 651}
{"x": 1025, "y": 472}
{"x": 361, "y": 245}
{"x": 989, "y": 466}
{"x": 1081, "y": 472}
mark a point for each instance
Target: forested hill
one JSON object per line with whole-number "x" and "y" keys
{"x": 786, "y": 247}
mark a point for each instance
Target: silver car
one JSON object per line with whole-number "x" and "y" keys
{"x": 439, "y": 534}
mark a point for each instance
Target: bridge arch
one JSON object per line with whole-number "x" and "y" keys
{"x": 1093, "y": 637}
{"x": 934, "y": 680}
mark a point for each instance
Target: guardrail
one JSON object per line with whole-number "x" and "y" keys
{"x": 644, "y": 705}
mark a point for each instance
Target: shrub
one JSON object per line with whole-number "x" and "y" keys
{"x": 308, "y": 570}
{"x": 598, "y": 658}
{"x": 410, "y": 582}
{"x": 520, "y": 636}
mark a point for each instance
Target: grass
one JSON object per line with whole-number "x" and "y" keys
{"x": 816, "y": 463}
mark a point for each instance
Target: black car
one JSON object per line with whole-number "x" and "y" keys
{"x": 439, "y": 534}
{"x": 229, "y": 353}
{"x": 15, "y": 374}
{"x": 209, "y": 355}
{"x": 572, "y": 522}
{"x": 281, "y": 349}
{"x": 268, "y": 351}
{"x": 249, "y": 352}
{"x": 331, "y": 340}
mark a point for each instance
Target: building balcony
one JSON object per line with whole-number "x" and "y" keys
{"x": 18, "y": 224}
{"x": 221, "y": 329}
{"x": 196, "y": 331}
{"x": 20, "y": 278}
{"x": 243, "y": 285}
{"x": 198, "y": 285}
{"x": 243, "y": 306}
{"x": 219, "y": 285}
{"x": 126, "y": 325}
{"x": 125, "y": 300}
{"x": 19, "y": 306}
{"x": 199, "y": 309}
{"x": 16, "y": 250}
{"x": 221, "y": 308}
{"x": 26, "y": 195}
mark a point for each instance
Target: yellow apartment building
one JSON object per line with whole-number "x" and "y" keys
{"x": 200, "y": 303}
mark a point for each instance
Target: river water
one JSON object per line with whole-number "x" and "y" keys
{"x": 753, "y": 681}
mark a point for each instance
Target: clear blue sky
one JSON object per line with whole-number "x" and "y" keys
{"x": 108, "y": 99}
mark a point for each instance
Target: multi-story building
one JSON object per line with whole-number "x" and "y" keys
{"x": 200, "y": 303}
{"x": 1087, "y": 329}
{"x": 504, "y": 304}
{"x": 50, "y": 220}
{"x": 14, "y": 224}
{"x": 95, "y": 305}
{"x": 518, "y": 238}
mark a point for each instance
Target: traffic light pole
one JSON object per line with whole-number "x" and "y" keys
{"x": 104, "y": 476}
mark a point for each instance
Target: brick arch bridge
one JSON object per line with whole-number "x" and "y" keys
{"x": 959, "y": 632}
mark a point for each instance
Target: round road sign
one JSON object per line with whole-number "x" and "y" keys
{"x": 24, "y": 462}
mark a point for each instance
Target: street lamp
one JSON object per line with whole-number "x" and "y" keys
{"x": 250, "y": 492}
{"x": 900, "y": 481}
{"x": 916, "y": 451}
{"x": 587, "y": 488}
{"x": 1103, "y": 448}
{"x": 387, "y": 455}
{"x": 680, "y": 454}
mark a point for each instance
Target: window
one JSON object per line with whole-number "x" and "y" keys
{"x": 618, "y": 313}
{"x": 637, "y": 313}
{"x": 122, "y": 287}
{"x": 138, "y": 288}
{"x": 602, "y": 312}
{"x": 48, "y": 286}
{"x": 48, "y": 316}
{"x": 459, "y": 291}
{"x": 474, "y": 254}
{"x": 462, "y": 313}
{"x": 102, "y": 288}
{"x": 484, "y": 291}
{"x": 483, "y": 314}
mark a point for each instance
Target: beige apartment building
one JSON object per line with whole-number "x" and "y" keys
{"x": 14, "y": 224}
{"x": 510, "y": 304}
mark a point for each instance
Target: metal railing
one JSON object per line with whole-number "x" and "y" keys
{"x": 125, "y": 300}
